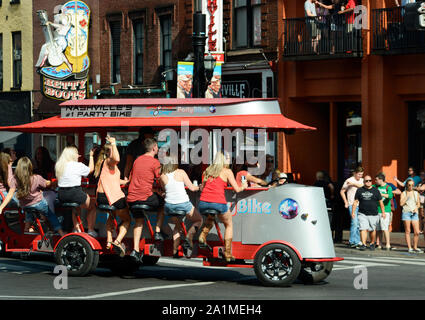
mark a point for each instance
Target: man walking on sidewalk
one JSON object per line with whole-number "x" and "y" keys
{"x": 350, "y": 187}
{"x": 366, "y": 200}
{"x": 387, "y": 195}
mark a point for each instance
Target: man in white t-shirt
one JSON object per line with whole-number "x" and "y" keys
{"x": 350, "y": 187}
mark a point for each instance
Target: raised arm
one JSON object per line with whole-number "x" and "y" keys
{"x": 256, "y": 180}
{"x": 91, "y": 161}
{"x": 187, "y": 181}
{"x": 232, "y": 181}
{"x": 115, "y": 155}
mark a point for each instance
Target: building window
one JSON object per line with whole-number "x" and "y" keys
{"x": 247, "y": 23}
{"x": 115, "y": 27}
{"x": 138, "y": 40}
{"x": 165, "y": 22}
{"x": 1, "y": 61}
{"x": 17, "y": 59}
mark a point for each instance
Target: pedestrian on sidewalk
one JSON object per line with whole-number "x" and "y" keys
{"x": 421, "y": 190}
{"x": 410, "y": 202}
{"x": 411, "y": 176}
{"x": 350, "y": 187}
{"x": 367, "y": 199}
{"x": 384, "y": 222}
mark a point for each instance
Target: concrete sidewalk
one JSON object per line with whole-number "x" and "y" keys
{"x": 397, "y": 241}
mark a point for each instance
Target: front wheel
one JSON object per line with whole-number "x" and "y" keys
{"x": 76, "y": 254}
{"x": 276, "y": 265}
{"x": 315, "y": 272}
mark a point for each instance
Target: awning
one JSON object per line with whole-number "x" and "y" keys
{"x": 247, "y": 116}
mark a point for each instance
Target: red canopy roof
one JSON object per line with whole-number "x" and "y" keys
{"x": 273, "y": 122}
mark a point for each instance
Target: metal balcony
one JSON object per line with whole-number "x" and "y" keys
{"x": 390, "y": 36}
{"x": 322, "y": 37}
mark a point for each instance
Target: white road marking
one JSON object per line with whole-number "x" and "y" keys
{"x": 415, "y": 262}
{"x": 110, "y": 294}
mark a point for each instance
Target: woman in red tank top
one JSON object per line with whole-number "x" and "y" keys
{"x": 215, "y": 179}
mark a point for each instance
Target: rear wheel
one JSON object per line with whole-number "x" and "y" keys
{"x": 315, "y": 272}
{"x": 76, "y": 254}
{"x": 276, "y": 265}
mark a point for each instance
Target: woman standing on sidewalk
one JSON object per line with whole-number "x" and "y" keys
{"x": 410, "y": 202}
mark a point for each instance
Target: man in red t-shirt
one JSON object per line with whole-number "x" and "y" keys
{"x": 141, "y": 191}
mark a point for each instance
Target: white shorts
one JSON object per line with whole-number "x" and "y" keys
{"x": 370, "y": 223}
{"x": 384, "y": 224}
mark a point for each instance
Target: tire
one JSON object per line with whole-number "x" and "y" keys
{"x": 315, "y": 272}
{"x": 149, "y": 260}
{"x": 77, "y": 255}
{"x": 276, "y": 265}
{"x": 3, "y": 252}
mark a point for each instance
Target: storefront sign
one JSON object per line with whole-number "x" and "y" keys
{"x": 129, "y": 111}
{"x": 63, "y": 62}
{"x": 235, "y": 89}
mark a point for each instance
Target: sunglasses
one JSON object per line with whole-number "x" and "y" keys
{"x": 368, "y": 181}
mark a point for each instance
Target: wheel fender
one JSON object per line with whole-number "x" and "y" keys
{"x": 92, "y": 241}
{"x": 281, "y": 242}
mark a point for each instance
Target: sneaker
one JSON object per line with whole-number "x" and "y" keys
{"x": 361, "y": 247}
{"x": 93, "y": 233}
{"x": 372, "y": 246}
{"x": 418, "y": 251}
{"x": 158, "y": 236}
{"x": 379, "y": 247}
{"x": 411, "y": 250}
{"x": 136, "y": 256}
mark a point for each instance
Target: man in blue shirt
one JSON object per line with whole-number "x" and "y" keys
{"x": 404, "y": 2}
{"x": 412, "y": 176}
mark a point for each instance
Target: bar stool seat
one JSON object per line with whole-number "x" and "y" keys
{"x": 33, "y": 211}
{"x": 142, "y": 208}
{"x": 211, "y": 212}
{"x": 68, "y": 204}
{"x": 177, "y": 213}
{"x": 106, "y": 207}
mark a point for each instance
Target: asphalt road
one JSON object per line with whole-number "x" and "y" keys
{"x": 359, "y": 276}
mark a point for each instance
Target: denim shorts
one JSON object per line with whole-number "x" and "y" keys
{"x": 409, "y": 216}
{"x": 173, "y": 207}
{"x": 220, "y": 207}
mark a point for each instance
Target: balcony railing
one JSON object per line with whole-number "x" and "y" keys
{"x": 390, "y": 35}
{"x": 322, "y": 37}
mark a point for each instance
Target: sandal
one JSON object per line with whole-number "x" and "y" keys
{"x": 108, "y": 245}
{"x": 119, "y": 248}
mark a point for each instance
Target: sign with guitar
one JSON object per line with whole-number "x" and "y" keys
{"x": 63, "y": 62}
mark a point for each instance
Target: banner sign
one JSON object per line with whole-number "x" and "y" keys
{"x": 184, "y": 79}
{"x": 129, "y": 111}
{"x": 213, "y": 9}
{"x": 63, "y": 61}
{"x": 213, "y": 90}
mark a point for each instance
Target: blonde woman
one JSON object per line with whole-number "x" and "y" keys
{"x": 6, "y": 176}
{"x": 109, "y": 193}
{"x": 409, "y": 200}
{"x": 215, "y": 179}
{"x": 30, "y": 194}
{"x": 174, "y": 181}
{"x": 69, "y": 172}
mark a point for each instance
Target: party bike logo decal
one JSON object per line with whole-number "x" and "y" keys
{"x": 288, "y": 209}
{"x": 63, "y": 62}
